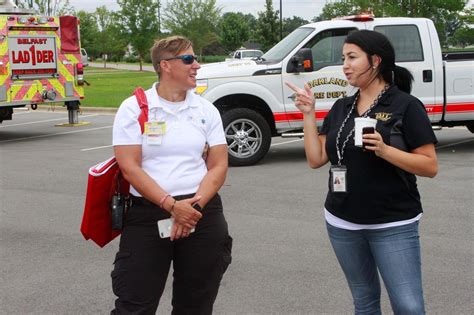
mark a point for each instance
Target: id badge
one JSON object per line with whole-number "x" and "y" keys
{"x": 154, "y": 131}
{"x": 338, "y": 178}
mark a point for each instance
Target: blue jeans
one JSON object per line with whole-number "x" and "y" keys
{"x": 395, "y": 253}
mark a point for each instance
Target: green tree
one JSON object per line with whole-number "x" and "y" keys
{"x": 111, "y": 39}
{"x": 194, "y": 19}
{"x": 334, "y": 9}
{"x": 440, "y": 11}
{"x": 234, "y": 30}
{"x": 290, "y": 24}
{"x": 268, "y": 26}
{"x": 47, "y": 7}
{"x": 251, "y": 21}
{"x": 467, "y": 16}
{"x": 66, "y": 9}
{"x": 89, "y": 33}
{"x": 464, "y": 36}
{"x": 140, "y": 24}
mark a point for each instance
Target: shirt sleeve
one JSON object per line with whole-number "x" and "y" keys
{"x": 326, "y": 124}
{"x": 126, "y": 129}
{"x": 417, "y": 128}
{"x": 215, "y": 131}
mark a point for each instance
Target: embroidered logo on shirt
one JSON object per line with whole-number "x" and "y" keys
{"x": 383, "y": 116}
{"x": 196, "y": 119}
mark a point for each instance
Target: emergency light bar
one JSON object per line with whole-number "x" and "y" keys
{"x": 31, "y": 20}
{"x": 358, "y": 17}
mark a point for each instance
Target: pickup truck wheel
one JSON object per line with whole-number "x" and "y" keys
{"x": 470, "y": 127}
{"x": 248, "y": 136}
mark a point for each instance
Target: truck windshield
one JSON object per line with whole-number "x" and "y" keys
{"x": 287, "y": 44}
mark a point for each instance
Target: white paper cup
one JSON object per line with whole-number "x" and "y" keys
{"x": 361, "y": 123}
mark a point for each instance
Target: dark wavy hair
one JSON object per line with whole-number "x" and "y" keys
{"x": 375, "y": 43}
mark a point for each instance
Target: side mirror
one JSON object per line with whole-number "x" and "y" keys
{"x": 302, "y": 61}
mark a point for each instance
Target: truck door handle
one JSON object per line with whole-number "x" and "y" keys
{"x": 427, "y": 76}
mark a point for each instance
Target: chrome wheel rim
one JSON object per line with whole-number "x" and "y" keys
{"x": 244, "y": 138}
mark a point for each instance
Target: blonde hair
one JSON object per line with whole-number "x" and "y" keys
{"x": 166, "y": 48}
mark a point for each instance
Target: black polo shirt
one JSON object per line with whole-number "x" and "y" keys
{"x": 378, "y": 192}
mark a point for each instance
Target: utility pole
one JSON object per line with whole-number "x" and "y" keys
{"x": 159, "y": 17}
{"x": 281, "y": 21}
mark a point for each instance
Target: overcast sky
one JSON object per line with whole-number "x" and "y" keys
{"x": 307, "y": 9}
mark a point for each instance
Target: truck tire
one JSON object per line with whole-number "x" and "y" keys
{"x": 248, "y": 136}
{"x": 470, "y": 127}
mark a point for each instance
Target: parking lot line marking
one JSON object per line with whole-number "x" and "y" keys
{"x": 97, "y": 148}
{"x": 41, "y": 121}
{"x": 108, "y": 146}
{"x": 16, "y": 113}
{"x": 286, "y": 142}
{"x": 55, "y": 134}
{"x": 453, "y": 144}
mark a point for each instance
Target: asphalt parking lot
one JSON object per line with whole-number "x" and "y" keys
{"x": 282, "y": 260}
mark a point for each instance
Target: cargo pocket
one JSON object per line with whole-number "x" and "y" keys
{"x": 118, "y": 274}
{"x": 226, "y": 247}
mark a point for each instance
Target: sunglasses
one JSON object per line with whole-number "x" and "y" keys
{"x": 186, "y": 59}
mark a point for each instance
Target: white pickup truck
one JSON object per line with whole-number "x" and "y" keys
{"x": 256, "y": 105}
{"x": 245, "y": 54}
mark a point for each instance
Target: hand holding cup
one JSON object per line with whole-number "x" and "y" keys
{"x": 360, "y": 124}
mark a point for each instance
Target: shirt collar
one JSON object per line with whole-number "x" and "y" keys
{"x": 348, "y": 101}
{"x": 154, "y": 97}
{"x": 387, "y": 98}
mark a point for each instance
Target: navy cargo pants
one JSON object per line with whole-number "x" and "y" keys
{"x": 143, "y": 261}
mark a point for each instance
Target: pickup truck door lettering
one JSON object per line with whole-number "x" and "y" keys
{"x": 332, "y": 80}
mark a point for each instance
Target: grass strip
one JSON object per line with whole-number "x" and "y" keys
{"x": 109, "y": 87}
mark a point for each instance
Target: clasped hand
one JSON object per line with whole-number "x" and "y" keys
{"x": 185, "y": 217}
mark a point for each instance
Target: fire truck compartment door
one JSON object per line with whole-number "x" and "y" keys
{"x": 69, "y": 34}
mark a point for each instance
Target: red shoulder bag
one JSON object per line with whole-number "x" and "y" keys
{"x": 104, "y": 182}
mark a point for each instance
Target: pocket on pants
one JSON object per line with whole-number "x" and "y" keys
{"x": 118, "y": 274}
{"x": 226, "y": 247}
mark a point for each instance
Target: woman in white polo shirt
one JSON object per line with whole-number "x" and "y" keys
{"x": 169, "y": 178}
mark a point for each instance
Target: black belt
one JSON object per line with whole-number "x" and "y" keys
{"x": 145, "y": 202}
{"x": 141, "y": 201}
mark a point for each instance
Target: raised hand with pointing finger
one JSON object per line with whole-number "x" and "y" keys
{"x": 304, "y": 98}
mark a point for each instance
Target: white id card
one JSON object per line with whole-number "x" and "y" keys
{"x": 338, "y": 178}
{"x": 164, "y": 227}
{"x": 154, "y": 139}
{"x": 154, "y": 131}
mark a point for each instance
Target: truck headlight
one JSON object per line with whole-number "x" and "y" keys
{"x": 201, "y": 86}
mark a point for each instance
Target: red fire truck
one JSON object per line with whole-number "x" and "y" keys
{"x": 40, "y": 61}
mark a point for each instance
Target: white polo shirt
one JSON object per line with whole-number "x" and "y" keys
{"x": 176, "y": 164}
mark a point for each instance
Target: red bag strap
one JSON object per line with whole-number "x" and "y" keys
{"x": 143, "y": 103}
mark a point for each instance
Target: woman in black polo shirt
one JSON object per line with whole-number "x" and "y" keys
{"x": 372, "y": 217}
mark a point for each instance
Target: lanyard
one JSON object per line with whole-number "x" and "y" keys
{"x": 340, "y": 152}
